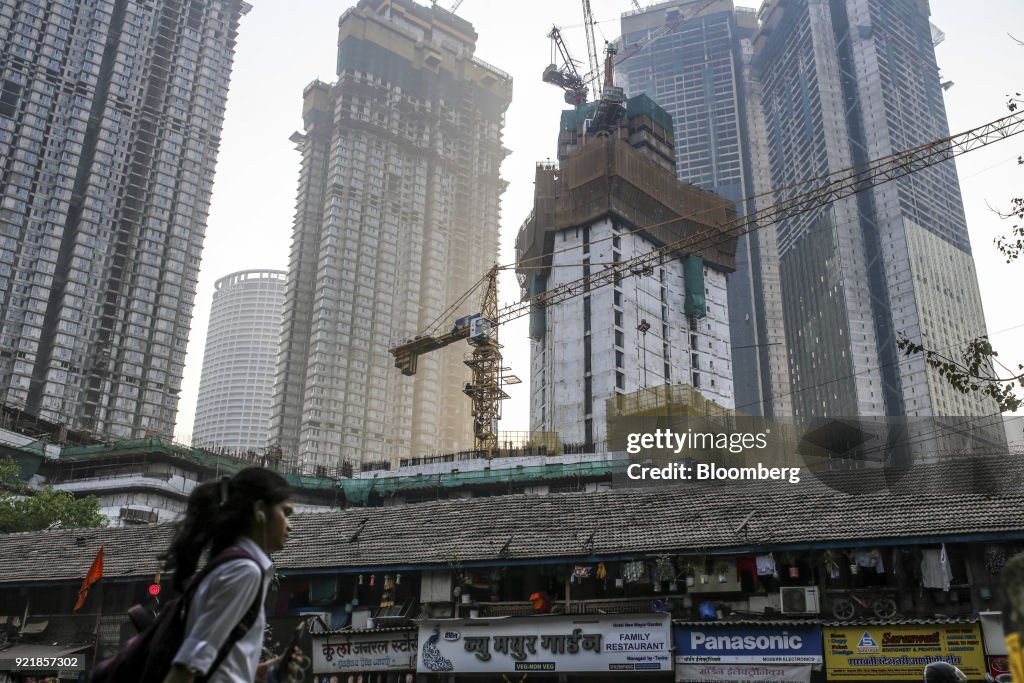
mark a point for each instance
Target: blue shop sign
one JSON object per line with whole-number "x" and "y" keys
{"x": 781, "y": 644}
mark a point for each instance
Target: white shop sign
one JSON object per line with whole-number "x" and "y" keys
{"x": 380, "y": 651}
{"x": 623, "y": 643}
{"x": 743, "y": 673}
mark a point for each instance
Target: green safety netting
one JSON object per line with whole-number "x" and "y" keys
{"x": 356, "y": 490}
{"x": 359, "y": 490}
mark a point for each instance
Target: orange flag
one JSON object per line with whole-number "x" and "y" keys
{"x": 94, "y": 575}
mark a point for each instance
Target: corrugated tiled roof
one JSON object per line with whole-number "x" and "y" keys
{"x": 894, "y": 621}
{"x": 935, "y": 500}
{"x": 902, "y": 621}
{"x": 748, "y": 622}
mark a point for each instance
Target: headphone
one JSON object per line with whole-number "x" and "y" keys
{"x": 261, "y": 517}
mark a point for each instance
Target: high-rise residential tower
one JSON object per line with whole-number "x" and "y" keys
{"x": 797, "y": 91}
{"x": 397, "y": 217}
{"x": 240, "y": 361}
{"x": 691, "y": 57}
{"x": 614, "y": 196}
{"x": 841, "y": 83}
{"x": 110, "y": 120}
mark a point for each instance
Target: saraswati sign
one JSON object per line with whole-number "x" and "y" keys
{"x": 379, "y": 651}
{"x": 623, "y": 643}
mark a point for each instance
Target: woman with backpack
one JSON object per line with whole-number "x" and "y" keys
{"x": 240, "y": 520}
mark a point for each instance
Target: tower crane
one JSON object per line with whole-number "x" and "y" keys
{"x": 489, "y": 375}
{"x": 595, "y": 64}
{"x": 481, "y": 329}
{"x": 568, "y": 78}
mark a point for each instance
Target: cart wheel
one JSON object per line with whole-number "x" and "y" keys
{"x": 843, "y": 609}
{"x": 884, "y": 608}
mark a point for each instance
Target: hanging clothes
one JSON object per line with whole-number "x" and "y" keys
{"x": 870, "y": 559}
{"x": 765, "y": 564}
{"x": 935, "y": 569}
{"x": 634, "y": 572}
{"x": 746, "y": 569}
{"x": 580, "y": 572}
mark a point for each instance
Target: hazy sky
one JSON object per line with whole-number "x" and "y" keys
{"x": 283, "y": 45}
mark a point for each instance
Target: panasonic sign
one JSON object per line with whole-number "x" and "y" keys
{"x": 749, "y": 644}
{"x": 700, "y": 640}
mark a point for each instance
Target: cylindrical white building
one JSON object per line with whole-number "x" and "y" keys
{"x": 237, "y": 383}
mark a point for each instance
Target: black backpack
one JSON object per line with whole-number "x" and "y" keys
{"x": 147, "y": 656}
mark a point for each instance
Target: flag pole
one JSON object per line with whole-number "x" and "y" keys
{"x": 96, "y": 627}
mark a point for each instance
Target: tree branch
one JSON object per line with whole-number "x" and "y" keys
{"x": 972, "y": 373}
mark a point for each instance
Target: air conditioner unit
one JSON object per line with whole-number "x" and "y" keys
{"x": 136, "y": 516}
{"x": 800, "y": 600}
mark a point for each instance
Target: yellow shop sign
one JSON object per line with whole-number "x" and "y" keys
{"x": 900, "y": 653}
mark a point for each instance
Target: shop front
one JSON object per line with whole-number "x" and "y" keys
{"x": 752, "y": 653}
{"x": 900, "y": 652}
{"x": 374, "y": 656}
{"x": 997, "y": 661}
{"x": 634, "y": 647}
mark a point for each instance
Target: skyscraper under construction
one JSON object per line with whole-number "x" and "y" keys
{"x": 692, "y": 57}
{"x": 765, "y": 102}
{"x": 840, "y": 84}
{"x": 397, "y": 216}
{"x": 110, "y": 119}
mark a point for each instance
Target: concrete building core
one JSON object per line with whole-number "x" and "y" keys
{"x": 613, "y": 196}
{"x": 397, "y": 217}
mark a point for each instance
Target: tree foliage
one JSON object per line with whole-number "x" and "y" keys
{"x": 972, "y": 372}
{"x": 1011, "y": 245}
{"x": 22, "y": 509}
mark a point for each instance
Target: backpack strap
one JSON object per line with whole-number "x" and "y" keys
{"x": 243, "y": 626}
{"x": 247, "y": 620}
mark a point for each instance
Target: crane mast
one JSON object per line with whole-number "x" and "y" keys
{"x": 595, "y": 64}
{"x": 489, "y": 375}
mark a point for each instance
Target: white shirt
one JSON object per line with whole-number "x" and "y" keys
{"x": 219, "y": 603}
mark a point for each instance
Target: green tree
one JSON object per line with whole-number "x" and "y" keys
{"x": 22, "y": 509}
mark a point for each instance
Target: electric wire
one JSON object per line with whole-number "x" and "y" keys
{"x": 451, "y": 309}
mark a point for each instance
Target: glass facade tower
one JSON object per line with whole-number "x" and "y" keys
{"x": 842, "y": 83}
{"x": 802, "y": 88}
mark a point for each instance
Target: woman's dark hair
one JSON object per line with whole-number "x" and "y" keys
{"x": 218, "y": 513}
